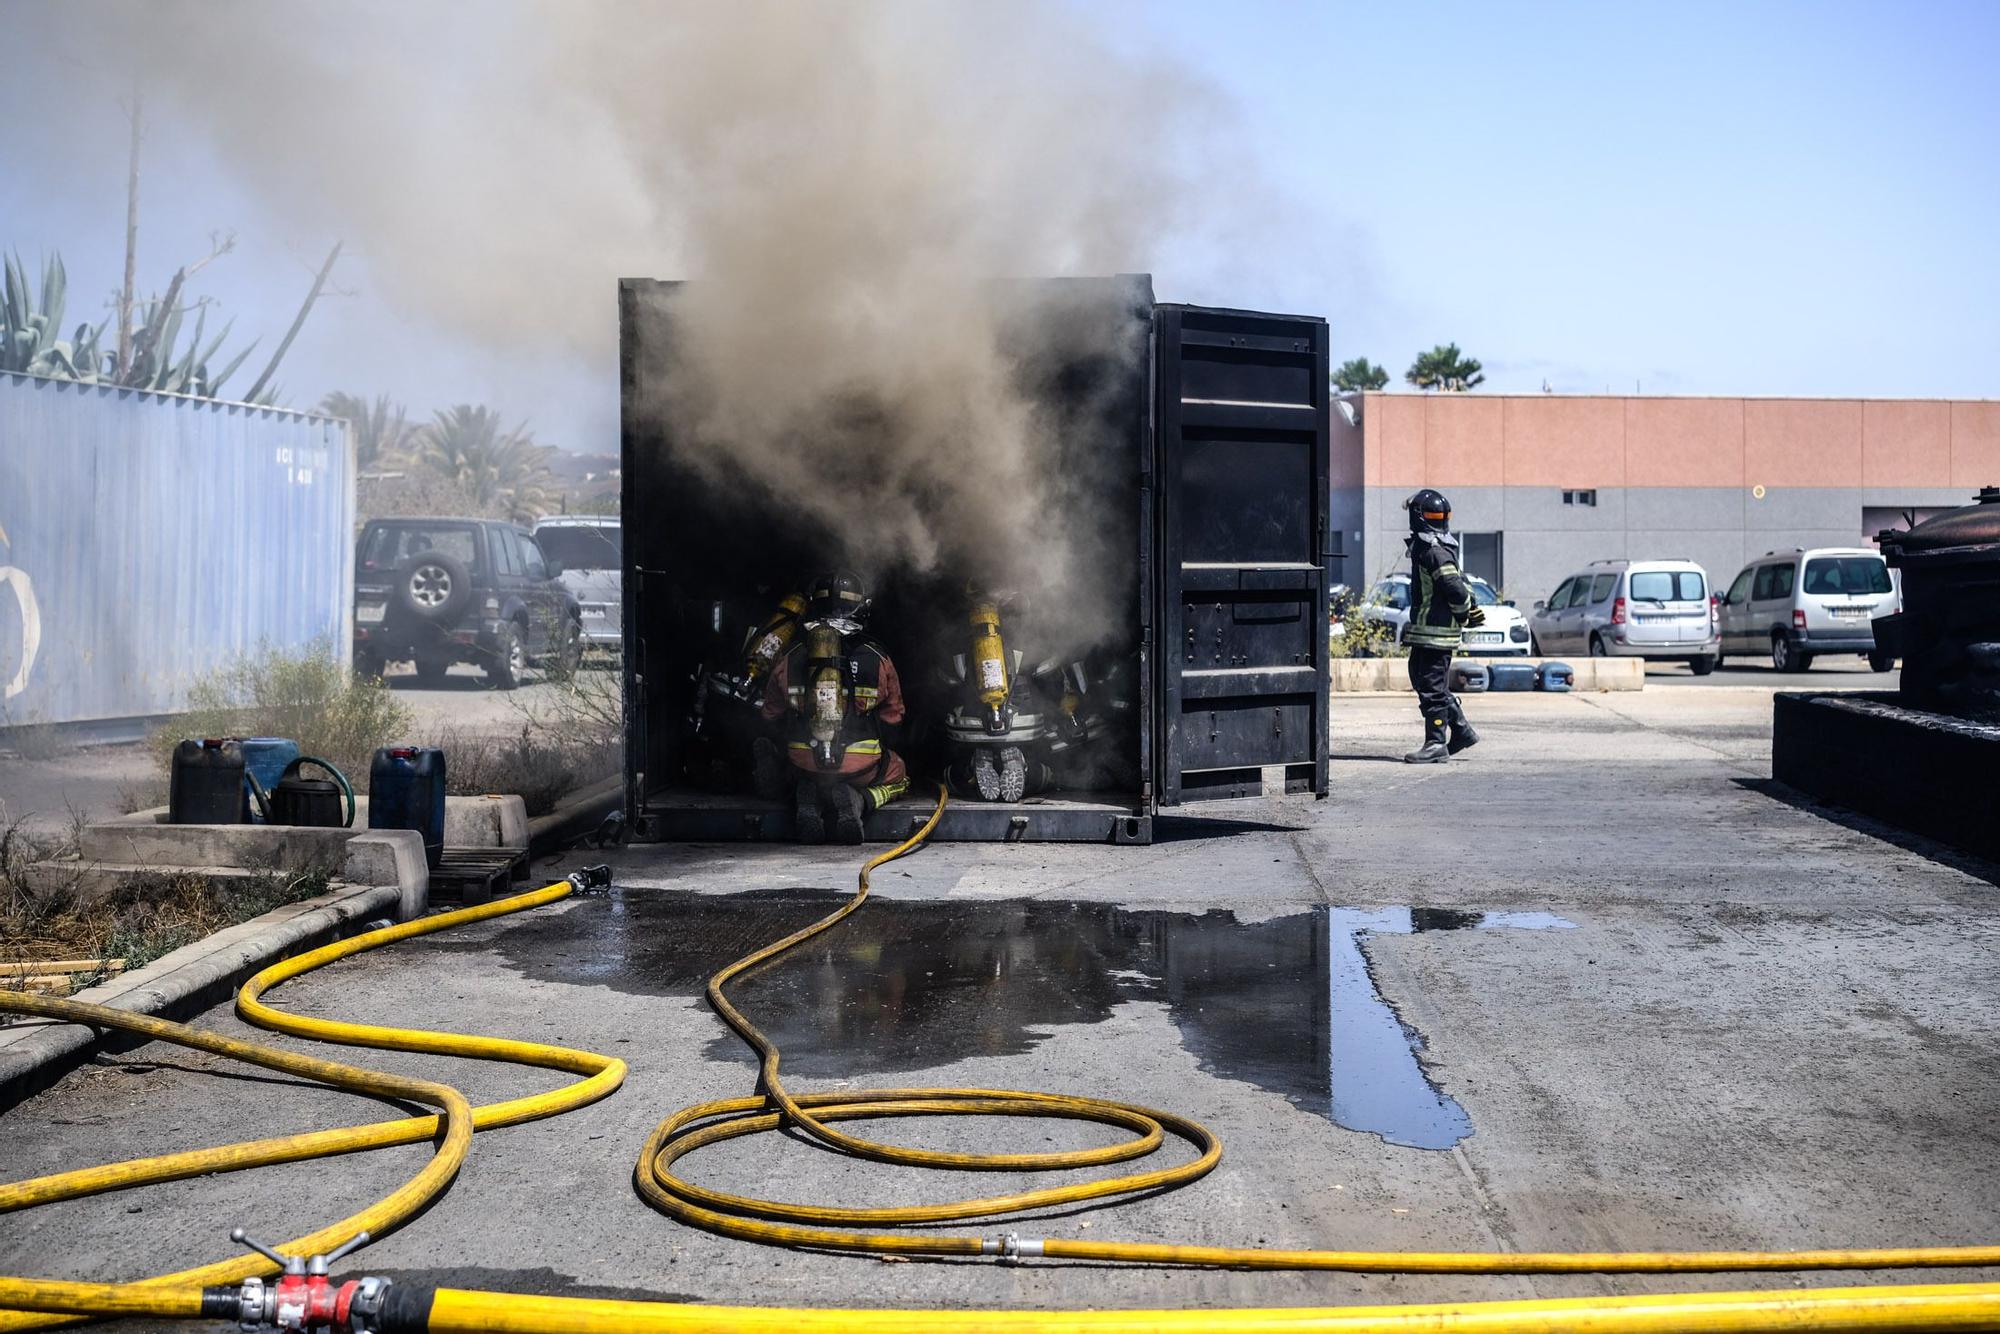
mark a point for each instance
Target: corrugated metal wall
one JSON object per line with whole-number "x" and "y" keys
{"x": 146, "y": 539}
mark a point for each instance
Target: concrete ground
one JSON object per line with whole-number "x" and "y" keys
{"x": 1765, "y": 1025}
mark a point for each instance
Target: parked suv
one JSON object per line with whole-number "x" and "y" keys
{"x": 439, "y": 591}
{"x": 1660, "y": 610}
{"x": 1798, "y": 604}
{"x": 591, "y": 550}
{"x": 1505, "y": 632}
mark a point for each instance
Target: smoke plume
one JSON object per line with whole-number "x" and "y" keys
{"x": 853, "y": 186}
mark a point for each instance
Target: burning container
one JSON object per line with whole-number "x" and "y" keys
{"x": 1198, "y": 439}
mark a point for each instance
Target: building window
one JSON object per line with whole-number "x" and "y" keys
{"x": 1581, "y": 497}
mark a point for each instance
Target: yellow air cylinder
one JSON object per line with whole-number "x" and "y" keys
{"x": 769, "y": 642}
{"x": 989, "y": 655}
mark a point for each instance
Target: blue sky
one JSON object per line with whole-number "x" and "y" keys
{"x": 1688, "y": 198}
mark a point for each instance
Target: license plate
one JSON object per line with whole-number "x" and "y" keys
{"x": 593, "y": 613}
{"x": 371, "y": 612}
{"x": 1483, "y": 637}
{"x": 1849, "y": 613}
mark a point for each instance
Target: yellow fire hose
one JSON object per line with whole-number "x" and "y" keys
{"x": 35, "y": 1303}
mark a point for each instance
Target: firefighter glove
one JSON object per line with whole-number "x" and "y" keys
{"x": 1477, "y": 616}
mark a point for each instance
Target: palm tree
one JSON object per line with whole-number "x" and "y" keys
{"x": 506, "y": 472}
{"x": 1359, "y": 373}
{"x": 382, "y": 432}
{"x": 1445, "y": 367}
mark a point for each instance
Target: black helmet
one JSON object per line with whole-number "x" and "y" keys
{"x": 1429, "y": 511}
{"x": 836, "y": 593}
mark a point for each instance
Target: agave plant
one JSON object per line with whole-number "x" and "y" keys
{"x": 31, "y": 341}
{"x": 155, "y": 364}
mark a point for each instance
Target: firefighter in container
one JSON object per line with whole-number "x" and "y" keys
{"x": 835, "y": 698}
{"x": 1441, "y": 606}
{"x": 1006, "y": 719}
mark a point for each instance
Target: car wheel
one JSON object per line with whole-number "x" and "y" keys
{"x": 508, "y": 662}
{"x": 434, "y": 587}
{"x": 1597, "y": 649}
{"x": 1881, "y": 662}
{"x": 432, "y": 670}
{"x": 1785, "y": 656}
{"x": 1702, "y": 666}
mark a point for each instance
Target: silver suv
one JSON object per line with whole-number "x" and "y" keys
{"x": 1797, "y": 604}
{"x": 1660, "y": 610}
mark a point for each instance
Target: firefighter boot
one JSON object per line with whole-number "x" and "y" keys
{"x": 986, "y": 774}
{"x": 809, "y": 824}
{"x": 1436, "y": 749}
{"x": 1463, "y": 737}
{"x": 847, "y": 812}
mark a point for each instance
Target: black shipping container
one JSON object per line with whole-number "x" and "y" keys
{"x": 1209, "y": 466}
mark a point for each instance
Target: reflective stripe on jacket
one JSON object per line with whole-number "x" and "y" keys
{"x": 1440, "y": 598}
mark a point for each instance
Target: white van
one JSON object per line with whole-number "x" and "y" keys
{"x": 1660, "y": 610}
{"x": 1797, "y": 604}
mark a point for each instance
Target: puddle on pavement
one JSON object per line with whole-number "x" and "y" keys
{"x": 1288, "y": 1004}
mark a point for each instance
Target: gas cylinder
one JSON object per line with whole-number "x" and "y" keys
{"x": 989, "y": 664}
{"x": 205, "y": 782}
{"x": 406, "y": 791}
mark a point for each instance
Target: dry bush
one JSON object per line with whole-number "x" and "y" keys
{"x": 303, "y": 694}
{"x": 144, "y": 918}
{"x": 571, "y": 735}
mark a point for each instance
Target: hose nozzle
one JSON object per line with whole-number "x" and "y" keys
{"x": 591, "y": 879}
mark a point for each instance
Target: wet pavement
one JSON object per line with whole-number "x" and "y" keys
{"x": 1288, "y": 1004}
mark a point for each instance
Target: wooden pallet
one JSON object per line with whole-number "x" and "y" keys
{"x": 477, "y": 875}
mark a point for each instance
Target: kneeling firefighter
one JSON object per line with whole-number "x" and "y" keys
{"x": 1441, "y": 606}
{"x": 835, "y": 696}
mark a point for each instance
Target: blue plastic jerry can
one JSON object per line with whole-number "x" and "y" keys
{"x": 406, "y": 791}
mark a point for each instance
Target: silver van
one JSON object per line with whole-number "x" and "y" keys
{"x": 1797, "y": 604}
{"x": 591, "y": 548}
{"x": 1660, "y": 610}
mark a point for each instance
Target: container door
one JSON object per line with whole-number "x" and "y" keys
{"x": 1240, "y": 493}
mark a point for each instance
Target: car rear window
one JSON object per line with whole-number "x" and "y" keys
{"x": 1846, "y": 574}
{"x": 1669, "y": 586}
{"x": 1600, "y": 587}
{"x": 390, "y": 547}
{"x": 583, "y": 546}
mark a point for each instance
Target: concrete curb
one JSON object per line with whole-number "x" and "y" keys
{"x": 1390, "y": 676}
{"x": 35, "y": 1053}
{"x": 582, "y": 810}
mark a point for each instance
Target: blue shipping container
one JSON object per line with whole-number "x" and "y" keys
{"x": 147, "y": 539}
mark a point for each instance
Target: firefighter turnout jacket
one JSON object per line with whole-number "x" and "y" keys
{"x": 1440, "y": 597}
{"x": 875, "y": 700}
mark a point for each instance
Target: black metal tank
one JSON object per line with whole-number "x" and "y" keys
{"x": 1948, "y": 632}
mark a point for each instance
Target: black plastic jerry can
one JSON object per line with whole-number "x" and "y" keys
{"x": 311, "y": 802}
{"x": 205, "y": 783}
{"x": 406, "y": 791}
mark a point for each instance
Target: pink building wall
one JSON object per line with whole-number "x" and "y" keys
{"x": 1445, "y": 440}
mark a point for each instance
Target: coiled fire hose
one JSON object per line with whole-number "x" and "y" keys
{"x": 402, "y": 1308}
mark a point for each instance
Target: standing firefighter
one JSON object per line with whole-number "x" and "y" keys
{"x": 836, "y": 698}
{"x": 1441, "y": 606}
